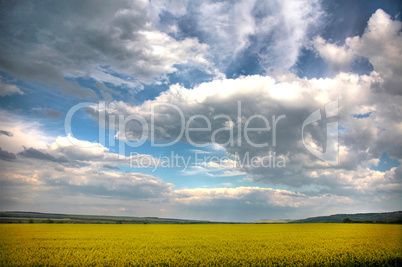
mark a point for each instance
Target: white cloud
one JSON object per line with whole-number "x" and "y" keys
{"x": 9, "y": 89}
{"x": 289, "y": 29}
{"x": 24, "y": 132}
{"x": 272, "y": 31}
{"x": 42, "y": 177}
{"x": 339, "y": 57}
{"x": 255, "y": 195}
{"x": 381, "y": 44}
{"x": 71, "y": 167}
{"x": 78, "y": 149}
{"x": 74, "y": 153}
{"x": 231, "y": 27}
{"x": 252, "y": 203}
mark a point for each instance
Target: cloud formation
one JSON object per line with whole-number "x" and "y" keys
{"x": 362, "y": 141}
{"x": 6, "y": 133}
{"x": 381, "y": 44}
{"x": 113, "y": 43}
{"x": 7, "y": 156}
{"x": 9, "y": 89}
{"x": 246, "y": 30}
{"x": 19, "y": 131}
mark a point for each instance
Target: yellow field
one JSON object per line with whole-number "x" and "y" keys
{"x": 200, "y": 245}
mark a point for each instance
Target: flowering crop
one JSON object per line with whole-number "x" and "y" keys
{"x": 200, "y": 245}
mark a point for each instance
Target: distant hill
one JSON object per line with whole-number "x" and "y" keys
{"x": 273, "y": 221}
{"x": 38, "y": 217}
{"x": 385, "y": 217}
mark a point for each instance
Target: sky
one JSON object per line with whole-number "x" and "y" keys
{"x": 208, "y": 110}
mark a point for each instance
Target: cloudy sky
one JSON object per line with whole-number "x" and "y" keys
{"x": 212, "y": 110}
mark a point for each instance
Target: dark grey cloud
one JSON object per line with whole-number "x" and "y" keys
{"x": 36, "y": 154}
{"x": 50, "y": 41}
{"x": 111, "y": 167}
{"x": 7, "y": 156}
{"x": 6, "y": 133}
{"x": 51, "y": 113}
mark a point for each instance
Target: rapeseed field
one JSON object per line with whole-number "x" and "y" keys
{"x": 201, "y": 245}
